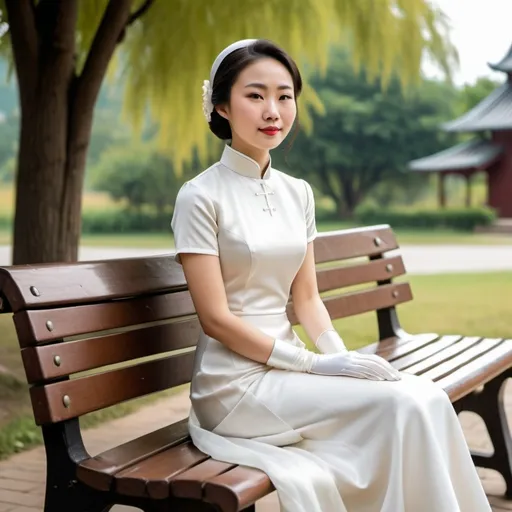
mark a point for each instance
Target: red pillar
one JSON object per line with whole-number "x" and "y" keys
{"x": 500, "y": 177}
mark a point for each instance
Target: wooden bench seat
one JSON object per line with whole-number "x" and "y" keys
{"x": 96, "y": 334}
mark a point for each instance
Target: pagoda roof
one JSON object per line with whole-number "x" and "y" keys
{"x": 504, "y": 64}
{"x": 492, "y": 113}
{"x": 473, "y": 154}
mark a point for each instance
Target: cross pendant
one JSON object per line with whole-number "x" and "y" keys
{"x": 266, "y": 193}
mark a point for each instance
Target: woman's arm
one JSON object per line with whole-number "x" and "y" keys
{"x": 307, "y": 303}
{"x": 206, "y": 287}
{"x": 204, "y": 279}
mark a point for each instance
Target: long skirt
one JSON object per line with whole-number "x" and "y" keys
{"x": 333, "y": 444}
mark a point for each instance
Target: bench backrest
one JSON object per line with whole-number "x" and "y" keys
{"x": 94, "y": 334}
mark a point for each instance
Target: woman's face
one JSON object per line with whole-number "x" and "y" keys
{"x": 262, "y": 106}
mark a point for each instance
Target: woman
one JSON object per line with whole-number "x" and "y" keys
{"x": 335, "y": 431}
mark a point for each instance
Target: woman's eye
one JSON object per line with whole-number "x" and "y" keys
{"x": 286, "y": 97}
{"x": 254, "y": 95}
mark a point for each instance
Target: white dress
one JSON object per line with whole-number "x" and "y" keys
{"x": 329, "y": 444}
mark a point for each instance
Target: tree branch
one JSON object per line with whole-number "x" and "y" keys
{"x": 140, "y": 11}
{"x": 134, "y": 17}
{"x": 102, "y": 48}
{"x": 24, "y": 41}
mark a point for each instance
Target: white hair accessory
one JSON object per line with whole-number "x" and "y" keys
{"x": 207, "y": 100}
{"x": 208, "y": 84}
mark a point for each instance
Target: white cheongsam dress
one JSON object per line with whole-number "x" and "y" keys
{"x": 329, "y": 444}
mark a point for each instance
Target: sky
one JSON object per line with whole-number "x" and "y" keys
{"x": 481, "y": 32}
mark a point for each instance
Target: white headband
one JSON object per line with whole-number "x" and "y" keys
{"x": 208, "y": 84}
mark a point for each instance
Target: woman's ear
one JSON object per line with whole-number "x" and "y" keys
{"x": 222, "y": 111}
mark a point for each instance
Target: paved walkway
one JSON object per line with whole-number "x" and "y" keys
{"x": 22, "y": 477}
{"x": 419, "y": 259}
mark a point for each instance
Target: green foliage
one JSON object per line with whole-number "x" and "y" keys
{"x": 140, "y": 176}
{"x": 125, "y": 221}
{"x": 367, "y": 135}
{"x": 472, "y": 94}
{"x": 459, "y": 219}
{"x": 19, "y": 434}
{"x": 165, "y": 68}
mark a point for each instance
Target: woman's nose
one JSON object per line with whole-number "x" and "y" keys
{"x": 271, "y": 112}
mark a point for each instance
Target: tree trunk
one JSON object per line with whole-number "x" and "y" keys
{"x": 56, "y": 119}
{"x": 48, "y": 192}
{"x": 42, "y": 158}
{"x": 350, "y": 196}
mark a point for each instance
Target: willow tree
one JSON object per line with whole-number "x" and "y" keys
{"x": 62, "y": 50}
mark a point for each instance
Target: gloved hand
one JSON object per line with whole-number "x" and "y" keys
{"x": 354, "y": 364}
{"x": 351, "y": 364}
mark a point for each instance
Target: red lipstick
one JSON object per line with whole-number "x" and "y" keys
{"x": 270, "y": 130}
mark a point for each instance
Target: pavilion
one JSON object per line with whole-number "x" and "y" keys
{"x": 490, "y": 151}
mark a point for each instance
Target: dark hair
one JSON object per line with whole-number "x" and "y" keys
{"x": 230, "y": 69}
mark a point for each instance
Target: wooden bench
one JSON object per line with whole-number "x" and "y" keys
{"x": 74, "y": 318}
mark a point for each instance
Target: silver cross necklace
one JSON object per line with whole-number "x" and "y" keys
{"x": 266, "y": 193}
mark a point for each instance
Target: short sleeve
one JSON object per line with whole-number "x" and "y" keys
{"x": 310, "y": 213}
{"x": 194, "y": 222}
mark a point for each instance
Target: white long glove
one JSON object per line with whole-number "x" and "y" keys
{"x": 351, "y": 364}
{"x": 330, "y": 342}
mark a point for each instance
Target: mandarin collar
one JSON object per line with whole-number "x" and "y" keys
{"x": 242, "y": 164}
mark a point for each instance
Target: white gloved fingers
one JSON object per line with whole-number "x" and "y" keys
{"x": 360, "y": 374}
{"x": 385, "y": 364}
{"x": 368, "y": 371}
{"x": 390, "y": 372}
{"x": 377, "y": 368}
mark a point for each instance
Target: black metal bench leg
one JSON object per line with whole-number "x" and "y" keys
{"x": 63, "y": 491}
{"x": 489, "y": 405}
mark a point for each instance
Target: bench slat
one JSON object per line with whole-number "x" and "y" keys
{"x": 78, "y": 320}
{"x": 152, "y": 476}
{"x": 353, "y": 243}
{"x": 92, "y": 281}
{"x": 479, "y": 371}
{"x": 97, "y": 281}
{"x": 364, "y": 301}
{"x": 418, "y": 342}
{"x": 237, "y": 489}
{"x": 98, "y": 471}
{"x": 82, "y": 355}
{"x": 442, "y": 356}
{"x": 355, "y": 303}
{"x": 406, "y": 360}
{"x": 386, "y": 345}
{"x": 189, "y": 484}
{"x": 371, "y": 271}
{"x": 96, "y": 392}
{"x": 468, "y": 355}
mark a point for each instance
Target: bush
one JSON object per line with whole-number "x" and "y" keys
{"x": 125, "y": 221}
{"x": 6, "y": 222}
{"x": 458, "y": 219}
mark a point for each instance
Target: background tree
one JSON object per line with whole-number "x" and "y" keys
{"x": 368, "y": 135}
{"x": 140, "y": 176}
{"x": 62, "y": 50}
{"x": 472, "y": 94}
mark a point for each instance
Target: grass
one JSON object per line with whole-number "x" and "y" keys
{"x": 467, "y": 304}
{"x": 405, "y": 237}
